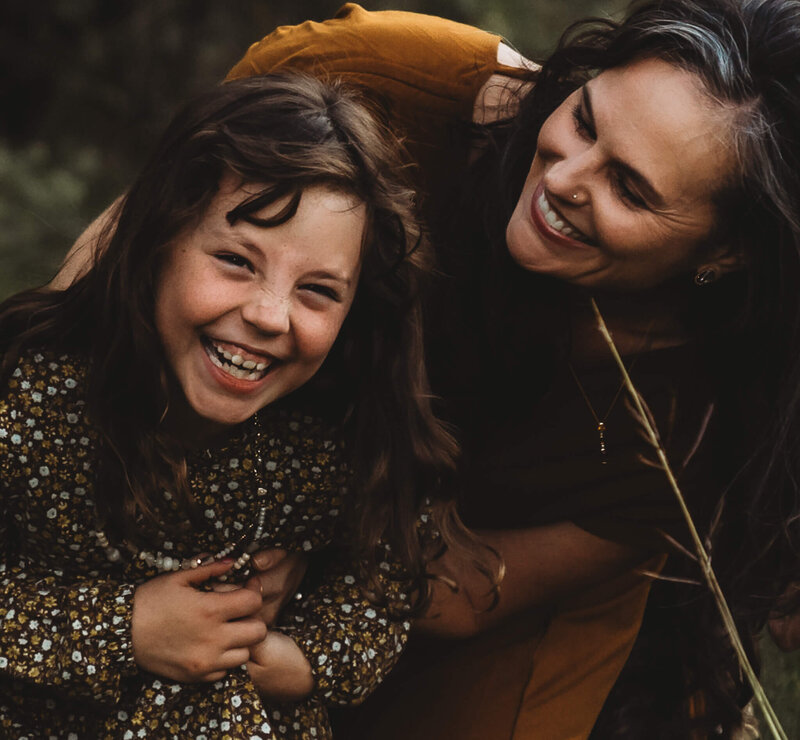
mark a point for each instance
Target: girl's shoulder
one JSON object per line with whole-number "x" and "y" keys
{"x": 43, "y": 395}
{"x": 40, "y": 374}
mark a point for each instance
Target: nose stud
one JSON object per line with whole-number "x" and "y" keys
{"x": 574, "y": 196}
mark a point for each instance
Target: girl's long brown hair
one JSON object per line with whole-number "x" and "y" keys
{"x": 287, "y": 132}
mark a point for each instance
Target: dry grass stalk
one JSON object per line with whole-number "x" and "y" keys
{"x": 704, "y": 560}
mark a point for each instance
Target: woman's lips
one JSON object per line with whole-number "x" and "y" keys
{"x": 553, "y": 231}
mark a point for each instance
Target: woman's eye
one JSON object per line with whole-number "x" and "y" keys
{"x": 627, "y": 194}
{"x": 581, "y": 124}
{"x": 236, "y": 260}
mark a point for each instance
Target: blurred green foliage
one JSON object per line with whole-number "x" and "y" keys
{"x": 87, "y": 85}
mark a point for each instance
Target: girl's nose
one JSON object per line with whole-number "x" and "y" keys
{"x": 267, "y": 312}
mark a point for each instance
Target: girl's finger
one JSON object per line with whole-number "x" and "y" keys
{"x": 215, "y": 676}
{"x": 202, "y": 573}
{"x": 243, "y": 633}
{"x": 234, "y": 658}
{"x": 236, "y": 604}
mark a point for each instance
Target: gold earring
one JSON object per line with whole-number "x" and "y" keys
{"x": 706, "y": 276}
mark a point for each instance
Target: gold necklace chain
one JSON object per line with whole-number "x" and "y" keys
{"x": 601, "y": 423}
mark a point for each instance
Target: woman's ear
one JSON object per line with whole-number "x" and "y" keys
{"x": 723, "y": 260}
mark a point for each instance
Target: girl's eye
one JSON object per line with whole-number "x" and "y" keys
{"x": 322, "y": 290}
{"x": 581, "y": 124}
{"x": 236, "y": 260}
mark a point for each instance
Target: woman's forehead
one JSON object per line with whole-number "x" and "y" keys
{"x": 657, "y": 118}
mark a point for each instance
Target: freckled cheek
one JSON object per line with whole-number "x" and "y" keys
{"x": 316, "y": 337}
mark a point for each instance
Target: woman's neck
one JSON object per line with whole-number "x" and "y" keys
{"x": 637, "y": 322}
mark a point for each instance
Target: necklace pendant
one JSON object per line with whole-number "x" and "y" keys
{"x": 601, "y": 433}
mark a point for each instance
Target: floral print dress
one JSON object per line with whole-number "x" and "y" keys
{"x": 66, "y": 662}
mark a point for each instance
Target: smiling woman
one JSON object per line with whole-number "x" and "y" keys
{"x": 621, "y": 192}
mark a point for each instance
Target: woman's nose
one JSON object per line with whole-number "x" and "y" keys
{"x": 570, "y": 178}
{"x": 268, "y": 312}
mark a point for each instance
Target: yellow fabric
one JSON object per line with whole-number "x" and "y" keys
{"x": 424, "y": 72}
{"x": 581, "y": 655}
{"x": 538, "y": 676}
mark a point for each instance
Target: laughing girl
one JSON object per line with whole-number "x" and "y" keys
{"x": 152, "y": 434}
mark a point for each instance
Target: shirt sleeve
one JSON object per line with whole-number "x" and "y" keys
{"x": 422, "y": 72}
{"x": 436, "y": 62}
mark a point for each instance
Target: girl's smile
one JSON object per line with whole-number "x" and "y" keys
{"x": 247, "y": 313}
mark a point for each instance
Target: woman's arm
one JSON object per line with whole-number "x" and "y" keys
{"x": 542, "y": 566}
{"x": 430, "y": 73}
{"x": 82, "y": 253}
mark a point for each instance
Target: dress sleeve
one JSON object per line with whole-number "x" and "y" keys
{"x": 64, "y": 633}
{"x": 350, "y": 642}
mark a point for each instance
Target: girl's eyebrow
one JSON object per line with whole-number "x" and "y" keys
{"x": 646, "y": 189}
{"x": 326, "y": 275}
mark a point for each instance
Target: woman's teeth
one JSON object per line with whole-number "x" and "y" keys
{"x": 235, "y": 365}
{"x": 556, "y": 223}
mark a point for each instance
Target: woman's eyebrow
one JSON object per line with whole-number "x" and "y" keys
{"x": 646, "y": 189}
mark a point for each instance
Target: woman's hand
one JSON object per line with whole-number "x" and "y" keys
{"x": 277, "y": 578}
{"x": 279, "y": 669}
{"x": 188, "y": 635}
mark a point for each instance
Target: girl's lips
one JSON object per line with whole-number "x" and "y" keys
{"x": 547, "y": 231}
{"x": 242, "y": 386}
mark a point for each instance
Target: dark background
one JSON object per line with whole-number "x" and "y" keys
{"x": 86, "y": 86}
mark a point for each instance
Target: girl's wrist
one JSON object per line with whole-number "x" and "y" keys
{"x": 279, "y": 669}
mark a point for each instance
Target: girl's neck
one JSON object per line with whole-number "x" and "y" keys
{"x": 192, "y": 431}
{"x": 638, "y": 322}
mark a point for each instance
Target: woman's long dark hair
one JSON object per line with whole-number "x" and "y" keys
{"x": 286, "y": 132}
{"x": 747, "y": 55}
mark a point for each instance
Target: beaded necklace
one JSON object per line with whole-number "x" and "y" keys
{"x": 246, "y": 544}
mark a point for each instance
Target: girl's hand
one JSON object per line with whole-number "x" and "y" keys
{"x": 188, "y": 635}
{"x": 278, "y": 574}
{"x": 279, "y": 669}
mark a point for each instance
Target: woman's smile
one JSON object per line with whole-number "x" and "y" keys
{"x": 551, "y": 224}
{"x": 620, "y": 193}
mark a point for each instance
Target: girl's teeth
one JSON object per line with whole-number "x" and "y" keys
{"x": 237, "y": 366}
